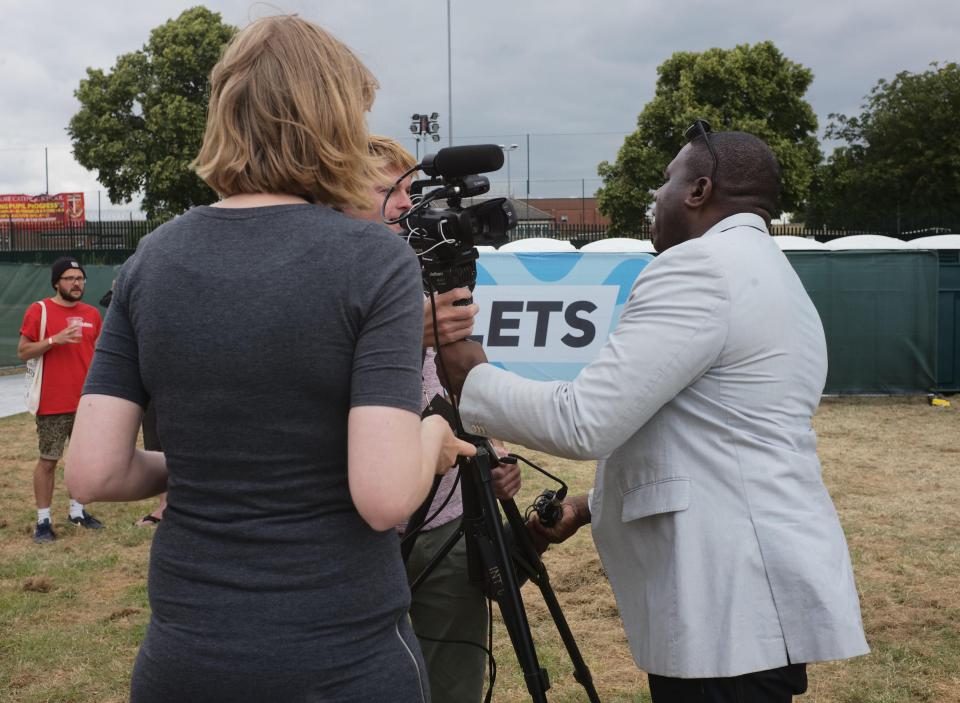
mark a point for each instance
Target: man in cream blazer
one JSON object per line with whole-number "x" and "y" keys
{"x": 709, "y": 512}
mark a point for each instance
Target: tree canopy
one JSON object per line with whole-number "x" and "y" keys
{"x": 141, "y": 124}
{"x": 899, "y": 165}
{"x": 748, "y": 88}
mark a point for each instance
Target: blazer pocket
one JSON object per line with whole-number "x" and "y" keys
{"x": 668, "y": 495}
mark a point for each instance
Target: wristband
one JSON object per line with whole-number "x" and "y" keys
{"x": 50, "y": 341}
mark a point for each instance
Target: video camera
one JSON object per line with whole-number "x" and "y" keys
{"x": 446, "y": 238}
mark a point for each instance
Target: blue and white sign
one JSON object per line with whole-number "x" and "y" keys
{"x": 545, "y": 316}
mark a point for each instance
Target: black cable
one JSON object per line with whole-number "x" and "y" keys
{"x": 488, "y": 650}
{"x": 438, "y": 359}
{"x": 541, "y": 470}
{"x": 464, "y": 642}
{"x": 417, "y": 207}
{"x": 456, "y": 483}
{"x": 393, "y": 187}
{"x": 422, "y": 525}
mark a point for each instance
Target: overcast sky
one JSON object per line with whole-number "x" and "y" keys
{"x": 573, "y": 74}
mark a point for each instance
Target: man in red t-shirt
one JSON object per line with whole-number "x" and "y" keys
{"x": 66, "y": 345}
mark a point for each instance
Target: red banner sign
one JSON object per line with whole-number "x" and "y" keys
{"x": 42, "y": 211}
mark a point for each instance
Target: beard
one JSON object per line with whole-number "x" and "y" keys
{"x": 70, "y": 293}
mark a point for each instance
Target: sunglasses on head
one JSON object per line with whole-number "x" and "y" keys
{"x": 702, "y": 128}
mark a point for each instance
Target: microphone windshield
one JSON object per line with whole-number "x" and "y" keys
{"x": 458, "y": 161}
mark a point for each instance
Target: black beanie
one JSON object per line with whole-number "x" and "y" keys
{"x": 62, "y": 264}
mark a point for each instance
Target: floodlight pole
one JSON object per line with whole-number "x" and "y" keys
{"x": 506, "y": 150}
{"x": 449, "y": 83}
{"x": 528, "y": 175}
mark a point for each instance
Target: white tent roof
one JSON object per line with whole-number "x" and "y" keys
{"x": 791, "y": 243}
{"x": 538, "y": 244}
{"x": 939, "y": 241}
{"x": 620, "y": 244}
{"x": 865, "y": 241}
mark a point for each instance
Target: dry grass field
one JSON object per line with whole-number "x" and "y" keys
{"x": 72, "y": 613}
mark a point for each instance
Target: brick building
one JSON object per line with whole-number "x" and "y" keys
{"x": 572, "y": 211}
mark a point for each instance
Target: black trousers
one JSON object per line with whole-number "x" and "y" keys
{"x": 771, "y": 686}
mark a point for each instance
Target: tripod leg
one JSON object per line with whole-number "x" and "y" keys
{"x": 484, "y": 532}
{"x": 530, "y": 560}
{"x": 436, "y": 559}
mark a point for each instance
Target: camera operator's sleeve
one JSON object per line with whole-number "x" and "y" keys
{"x": 386, "y": 362}
{"x": 671, "y": 331}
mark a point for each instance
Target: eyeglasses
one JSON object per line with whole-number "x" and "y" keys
{"x": 73, "y": 279}
{"x": 702, "y": 128}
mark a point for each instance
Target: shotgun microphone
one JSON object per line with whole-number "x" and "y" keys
{"x": 459, "y": 161}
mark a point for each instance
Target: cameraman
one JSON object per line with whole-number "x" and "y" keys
{"x": 446, "y": 606}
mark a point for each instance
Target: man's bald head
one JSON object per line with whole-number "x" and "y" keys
{"x": 690, "y": 201}
{"x": 748, "y": 173}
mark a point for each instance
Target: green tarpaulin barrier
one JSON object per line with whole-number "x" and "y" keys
{"x": 948, "y": 327}
{"x": 879, "y": 312}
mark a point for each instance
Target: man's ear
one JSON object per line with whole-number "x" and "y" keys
{"x": 700, "y": 192}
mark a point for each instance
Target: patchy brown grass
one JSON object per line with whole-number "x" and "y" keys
{"x": 892, "y": 466}
{"x": 38, "y": 584}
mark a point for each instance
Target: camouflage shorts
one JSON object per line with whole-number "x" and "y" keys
{"x": 53, "y": 431}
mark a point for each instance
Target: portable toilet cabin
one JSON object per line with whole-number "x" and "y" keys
{"x": 877, "y": 299}
{"x": 619, "y": 245}
{"x": 947, "y": 247}
{"x": 538, "y": 245}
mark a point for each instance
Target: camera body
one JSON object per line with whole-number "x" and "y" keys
{"x": 450, "y": 236}
{"x": 446, "y": 238}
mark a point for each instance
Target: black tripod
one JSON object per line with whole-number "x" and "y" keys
{"x": 495, "y": 553}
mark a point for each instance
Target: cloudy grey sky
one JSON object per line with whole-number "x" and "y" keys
{"x": 573, "y": 74}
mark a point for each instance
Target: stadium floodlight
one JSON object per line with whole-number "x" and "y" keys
{"x": 424, "y": 126}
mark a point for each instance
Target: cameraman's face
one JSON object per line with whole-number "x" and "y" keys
{"x": 399, "y": 201}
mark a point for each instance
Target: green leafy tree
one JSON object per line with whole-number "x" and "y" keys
{"x": 141, "y": 124}
{"x": 748, "y": 88}
{"x": 899, "y": 165}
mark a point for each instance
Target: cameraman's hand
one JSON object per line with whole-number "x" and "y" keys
{"x": 458, "y": 360}
{"x": 506, "y": 477}
{"x": 575, "y": 513}
{"x": 454, "y": 322}
{"x": 437, "y": 440}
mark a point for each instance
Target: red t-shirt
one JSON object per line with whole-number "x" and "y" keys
{"x": 64, "y": 365}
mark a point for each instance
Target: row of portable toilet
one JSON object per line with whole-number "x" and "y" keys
{"x": 786, "y": 243}
{"x": 948, "y": 284}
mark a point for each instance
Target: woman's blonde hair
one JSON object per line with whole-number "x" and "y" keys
{"x": 287, "y": 115}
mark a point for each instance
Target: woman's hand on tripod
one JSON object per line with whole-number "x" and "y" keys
{"x": 437, "y": 440}
{"x": 575, "y": 513}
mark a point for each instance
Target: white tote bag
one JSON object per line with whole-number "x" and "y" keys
{"x": 34, "y": 376}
